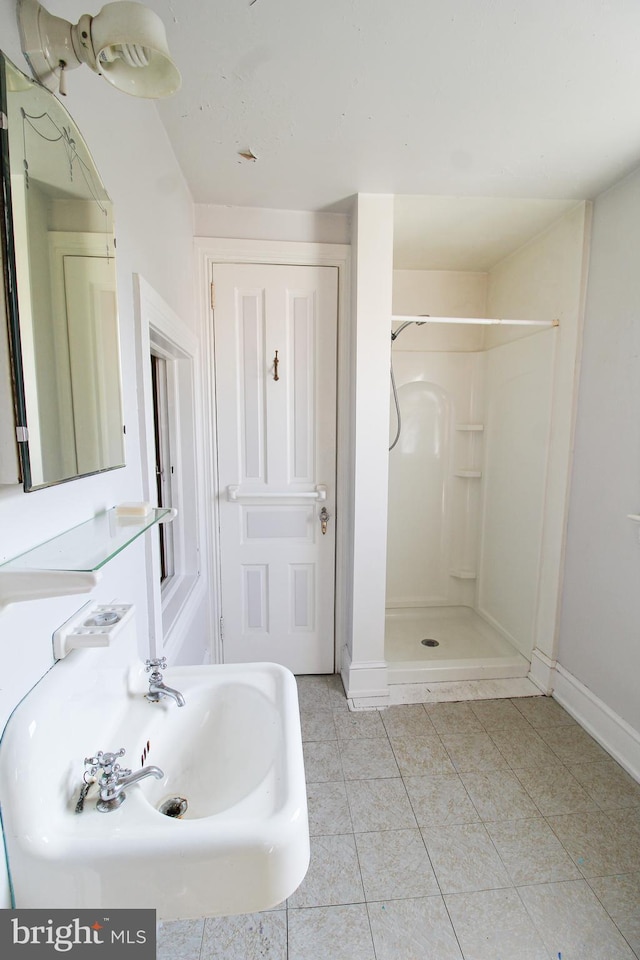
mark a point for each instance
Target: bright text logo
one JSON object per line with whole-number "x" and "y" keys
{"x": 82, "y": 933}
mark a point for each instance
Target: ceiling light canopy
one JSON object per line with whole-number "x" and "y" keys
{"x": 126, "y": 43}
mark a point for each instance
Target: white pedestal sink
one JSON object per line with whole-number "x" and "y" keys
{"x": 233, "y": 752}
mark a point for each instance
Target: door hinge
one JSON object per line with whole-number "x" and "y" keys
{"x": 222, "y": 629}
{"x": 22, "y": 434}
{"x": 213, "y": 296}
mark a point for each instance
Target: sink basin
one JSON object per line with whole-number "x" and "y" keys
{"x": 233, "y": 752}
{"x": 231, "y": 761}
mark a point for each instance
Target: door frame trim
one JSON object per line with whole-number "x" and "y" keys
{"x": 211, "y": 251}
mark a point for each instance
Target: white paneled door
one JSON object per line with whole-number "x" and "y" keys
{"x": 275, "y": 359}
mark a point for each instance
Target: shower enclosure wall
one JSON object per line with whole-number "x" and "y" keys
{"x": 466, "y": 495}
{"x": 469, "y": 481}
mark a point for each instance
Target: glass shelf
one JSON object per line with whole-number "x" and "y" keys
{"x": 87, "y": 547}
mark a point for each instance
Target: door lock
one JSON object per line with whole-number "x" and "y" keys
{"x": 324, "y": 519}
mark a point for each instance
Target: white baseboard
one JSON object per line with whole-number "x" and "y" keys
{"x": 365, "y": 678}
{"x": 613, "y": 733}
{"x": 542, "y": 671}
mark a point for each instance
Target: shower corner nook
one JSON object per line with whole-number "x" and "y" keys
{"x": 464, "y": 521}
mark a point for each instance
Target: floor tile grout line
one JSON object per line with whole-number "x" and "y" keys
{"x": 366, "y": 902}
{"x": 510, "y": 765}
{"x": 286, "y": 915}
{"x": 542, "y": 883}
{"x": 583, "y": 876}
{"x": 424, "y": 843}
{"x": 500, "y": 858}
{"x": 514, "y": 767}
{"x": 533, "y": 923}
{"x": 204, "y": 927}
{"x": 580, "y": 880}
{"x": 514, "y": 771}
{"x": 480, "y": 820}
{"x": 453, "y": 927}
{"x": 564, "y": 845}
{"x": 373, "y": 942}
{"x": 328, "y": 906}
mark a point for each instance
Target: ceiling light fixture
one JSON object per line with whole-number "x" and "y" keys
{"x": 126, "y": 43}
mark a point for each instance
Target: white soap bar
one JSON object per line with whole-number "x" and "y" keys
{"x": 133, "y": 509}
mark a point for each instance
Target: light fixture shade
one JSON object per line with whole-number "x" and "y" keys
{"x": 130, "y": 46}
{"x": 126, "y": 43}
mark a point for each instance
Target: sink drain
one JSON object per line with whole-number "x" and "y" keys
{"x": 430, "y": 643}
{"x": 174, "y": 807}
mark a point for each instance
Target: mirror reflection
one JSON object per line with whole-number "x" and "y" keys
{"x": 60, "y": 258}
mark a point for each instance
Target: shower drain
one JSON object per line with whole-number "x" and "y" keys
{"x": 430, "y": 643}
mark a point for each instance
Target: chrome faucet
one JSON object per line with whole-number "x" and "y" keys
{"x": 158, "y": 689}
{"x": 112, "y": 779}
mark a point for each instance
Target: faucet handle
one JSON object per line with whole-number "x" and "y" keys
{"x": 160, "y": 662}
{"x": 103, "y": 759}
{"x": 105, "y": 762}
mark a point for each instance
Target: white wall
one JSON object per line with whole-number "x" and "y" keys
{"x": 154, "y": 229}
{"x": 258, "y": 223}
{"x": 600, "y": 624}
{"x": 440, "y": 293}
{"x": 544, "y": 280}
{"x": 518, "y": 379}
{"x": 363, "y": 667}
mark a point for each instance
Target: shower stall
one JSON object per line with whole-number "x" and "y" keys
{"x": 473, "y": 411}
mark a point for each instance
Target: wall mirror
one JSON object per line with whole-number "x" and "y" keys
{"x": 60, "y": 285}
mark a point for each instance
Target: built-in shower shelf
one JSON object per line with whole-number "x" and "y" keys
{"x": 470, "y": 427}
{"x": 469, "y": 474}
{"x": 463, "y": 574}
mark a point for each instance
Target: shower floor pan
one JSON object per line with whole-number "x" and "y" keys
{"x": 468, "y": 648}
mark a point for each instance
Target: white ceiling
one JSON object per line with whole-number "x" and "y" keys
{"x": 506, "y": 98}
{"x": 466, "y": 233}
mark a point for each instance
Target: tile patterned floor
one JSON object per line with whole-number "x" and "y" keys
{"x": 481, "y": 830}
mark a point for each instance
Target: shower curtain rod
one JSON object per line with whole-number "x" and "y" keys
{"x": 521, "y": 323}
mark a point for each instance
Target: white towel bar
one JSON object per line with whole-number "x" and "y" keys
{"x": 235, "y": 495}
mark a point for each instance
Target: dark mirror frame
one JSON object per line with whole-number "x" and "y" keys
{"x": 10, "y": 282}
{"x": 8, "y": 249}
